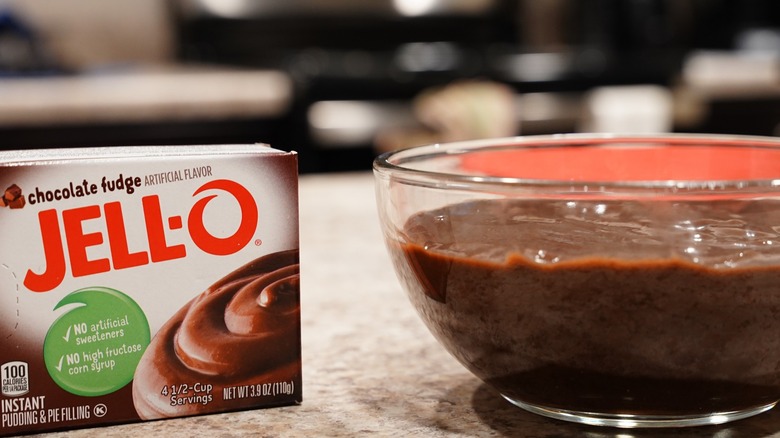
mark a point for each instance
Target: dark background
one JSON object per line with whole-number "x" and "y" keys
{"x": 376, "y": 53}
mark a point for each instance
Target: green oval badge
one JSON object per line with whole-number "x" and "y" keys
{"x": 94, "y": 348}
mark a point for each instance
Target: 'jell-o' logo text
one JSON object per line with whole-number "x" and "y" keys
{"x": 157, "y": 249}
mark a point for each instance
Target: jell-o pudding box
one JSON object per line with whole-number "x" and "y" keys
{"x": 143, "y": 283}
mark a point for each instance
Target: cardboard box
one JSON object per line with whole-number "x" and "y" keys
{"x": 141, "y": 283}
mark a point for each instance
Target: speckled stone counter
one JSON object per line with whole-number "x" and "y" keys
{"x": 370, "y": 367}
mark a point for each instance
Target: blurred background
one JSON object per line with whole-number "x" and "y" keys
{"x": 342, "y": 80}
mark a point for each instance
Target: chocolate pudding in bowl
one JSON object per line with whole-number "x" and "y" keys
{"x": 608, "y": 280}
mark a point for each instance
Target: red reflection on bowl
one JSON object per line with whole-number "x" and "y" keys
{"x": 610, "y": 163}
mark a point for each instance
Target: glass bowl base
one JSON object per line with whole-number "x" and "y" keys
{"x": 640, "y": 421}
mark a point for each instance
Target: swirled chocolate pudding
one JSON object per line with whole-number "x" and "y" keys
{"x": 243, "y": 332}
{"x": 652, "y": 308}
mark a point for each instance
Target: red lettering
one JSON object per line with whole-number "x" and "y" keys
{"x": 155, "y": 232}
{"x": 78, "y": 241}
{"x": 117, "y": 239}
{"x": 53, "y": 253}
{"x": 246, "y": 229}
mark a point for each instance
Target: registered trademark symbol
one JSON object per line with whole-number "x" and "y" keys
{"x": 258, "y": 242}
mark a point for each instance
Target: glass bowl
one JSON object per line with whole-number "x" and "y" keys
{"x": 629, "y": 281}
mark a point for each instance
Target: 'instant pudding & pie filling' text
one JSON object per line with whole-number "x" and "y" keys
{"x": 141, "y": 283}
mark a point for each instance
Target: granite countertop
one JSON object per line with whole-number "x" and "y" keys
{"x": 370, "y": 366}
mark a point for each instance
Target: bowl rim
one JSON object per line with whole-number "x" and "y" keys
{"x": 384, "y": 167}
